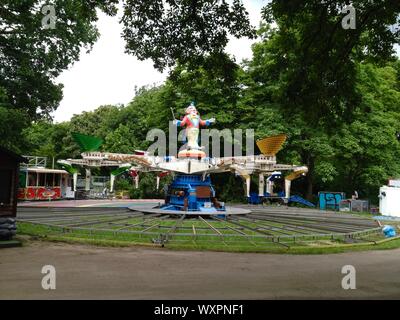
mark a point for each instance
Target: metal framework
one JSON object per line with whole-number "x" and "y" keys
{"x": 273, "y": 226}
{"x": 34, "y": 162}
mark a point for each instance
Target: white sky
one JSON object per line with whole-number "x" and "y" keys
{"x": 107, "y": 75}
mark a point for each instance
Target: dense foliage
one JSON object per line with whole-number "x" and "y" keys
{"x": 334, "y": 92}
{"x": 171, "y": 31}
{"x": 32, "y": 55}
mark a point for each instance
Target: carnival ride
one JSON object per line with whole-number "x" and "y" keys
{"x": 191, "y": 214}
{"x": 191, "y": 191}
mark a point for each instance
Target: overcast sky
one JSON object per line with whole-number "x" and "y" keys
{"x": 107, "y": 75}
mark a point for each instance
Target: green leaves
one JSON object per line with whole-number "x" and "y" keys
{"x": 314, "y": 59}
{"x": 184, "y": 31}
{"x": 367, "y": 149}
{"x": 31, "y": 57}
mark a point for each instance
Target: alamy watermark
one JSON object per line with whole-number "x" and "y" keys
{"x": 349, "y": 20}
{"x": 349, "y": 280}
{"x": 49, "y": 280}
{"x": 49, "y": 19}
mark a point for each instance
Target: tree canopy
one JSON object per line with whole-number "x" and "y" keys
{"x": 31, "y": 56}
{"x": 333, "y": 91}
{"x": 313, "y": 58}
{"x": 171, "y": 31}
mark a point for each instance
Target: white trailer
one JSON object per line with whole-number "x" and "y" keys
{"x": 389, "y": 201}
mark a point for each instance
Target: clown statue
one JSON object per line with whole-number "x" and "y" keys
{"x": 193, "y": 122}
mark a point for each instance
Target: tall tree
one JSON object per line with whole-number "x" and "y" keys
{"x": 34, "y": 51}
{"x": 307, "y": 65}
{"x": 367, "y": 150}
{"x": 315, "y": 58}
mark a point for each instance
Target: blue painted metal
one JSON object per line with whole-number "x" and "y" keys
{"x": 183, "y": 189}
{"x": 192, "y": 198}
{"x": 254, "y": 198}
{"x": 298, "y": 199}
{"x": 330, "y": 200}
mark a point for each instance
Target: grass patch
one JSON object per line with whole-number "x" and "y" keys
{"x": 207, "y": 242}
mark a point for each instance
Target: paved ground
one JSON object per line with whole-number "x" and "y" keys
{"x": 141, "y": 273}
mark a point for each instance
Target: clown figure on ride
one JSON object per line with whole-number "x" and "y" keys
{"x": 192, "y": 121}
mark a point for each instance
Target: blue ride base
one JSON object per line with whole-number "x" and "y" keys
{"x": 192, "y": 194}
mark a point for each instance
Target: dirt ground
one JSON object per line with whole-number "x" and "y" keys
{"x": 86, "y": 272}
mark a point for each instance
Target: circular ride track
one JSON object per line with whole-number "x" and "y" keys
{"x": 263, "y": 227}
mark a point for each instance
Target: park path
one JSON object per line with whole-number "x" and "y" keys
{"x": 87, "y": 272}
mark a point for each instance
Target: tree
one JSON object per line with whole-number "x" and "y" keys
{"x": 44, "y": 138}
{"x": 334, "y": 92}
{"x": 11, "y": 124}
{"x": 99, "y": 123}
{"x": 358, "y": 155}
{"x": 215, "y": 91}
{"x": 367, "y": 149}
{"x": 182, "y": 31}
{"x": 315, "y": 58}
{"x": 307, "y": 66}
{"x": 32, "y": 55}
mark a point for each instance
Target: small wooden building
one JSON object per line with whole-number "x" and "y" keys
{"x": 9, "y": 171}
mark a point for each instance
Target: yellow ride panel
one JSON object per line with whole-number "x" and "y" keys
{"x": 271, "y": 145}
